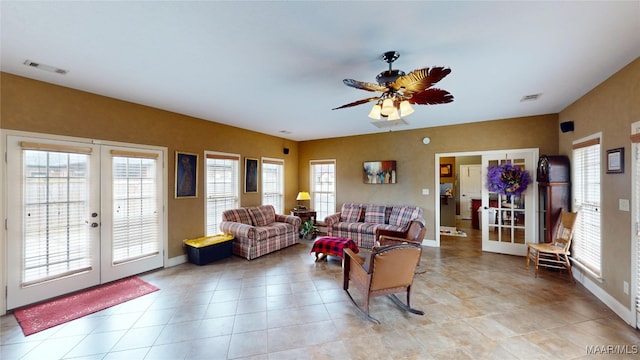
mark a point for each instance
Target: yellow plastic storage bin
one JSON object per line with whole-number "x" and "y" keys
{"x": 207, "y": 249}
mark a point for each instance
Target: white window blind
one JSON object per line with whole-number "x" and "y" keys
{"x": 273, "y": 183}
{"x": 135, "y": 206}
{"x": 586, "y": 196}
{"x": 56, "y": 208}
{"x": 222, "y": 179}
{"x": 323, "y": 187}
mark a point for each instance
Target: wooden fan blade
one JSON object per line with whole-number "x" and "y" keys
{"x": 364, "y": 85}
{"x": 431, "y": 97}
{"x": 420, "y": 79}
{"x": 359, "y": 102}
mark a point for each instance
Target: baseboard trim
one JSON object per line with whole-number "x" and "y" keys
{"x": 623, "y": 312}
{"x": 174, "y": 261}
{"x": 430, "y": 243}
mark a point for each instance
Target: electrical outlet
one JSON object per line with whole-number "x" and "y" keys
{"x": 623, "y": 204}
{"x": 625, "y": 285}
{"x": 425, "y": 191}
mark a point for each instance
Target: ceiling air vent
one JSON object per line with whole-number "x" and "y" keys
{"x": 382, "y": 124}
{"x": 530, "y": 97}
{"x": 44, "y": 67}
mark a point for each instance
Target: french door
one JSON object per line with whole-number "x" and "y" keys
{"x": 508, "y": 222}
{"x": 80, "y": 214}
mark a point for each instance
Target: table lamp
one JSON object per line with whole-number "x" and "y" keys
{"x": 302, "y": 196}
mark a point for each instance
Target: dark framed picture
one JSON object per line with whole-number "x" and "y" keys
{"x": 615, "y": 161}
{"x": 250, "y": 175}
{"x": 186, "y": 175}
{"x": 446, "y": 170}
{"x": 379, "y": 172}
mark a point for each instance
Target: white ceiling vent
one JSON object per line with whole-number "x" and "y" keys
{"x": 531, "y": 97}
{"x": 44, "y": 67}
{"x": 382, "y": 124}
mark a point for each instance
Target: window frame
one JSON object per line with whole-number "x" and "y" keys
{"x": 322, "y": 207}
{"x": 267, "y": 163}
{"x": 233, "y": 198}
{"x": 587, "y": 254}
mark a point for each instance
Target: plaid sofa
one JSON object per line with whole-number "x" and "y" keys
{"x": 359, "y": 222}
{"x": 259, "y": 230}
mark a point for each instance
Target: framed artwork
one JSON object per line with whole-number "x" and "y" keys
{"x": 615, "y": 161}
{"x": 379, "y": 172}
{"x": 250, "y": 175}
{"x": 186, "y": 175}
{"x": 446, "y": 170}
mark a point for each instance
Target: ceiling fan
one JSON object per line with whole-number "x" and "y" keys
{"x": 399, "y": 91}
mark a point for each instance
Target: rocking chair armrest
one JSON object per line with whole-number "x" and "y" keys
{"x": 385, "y": 240}
{"x": 352, "y": 256}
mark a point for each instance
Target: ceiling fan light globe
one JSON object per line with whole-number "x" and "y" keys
{"x": 375, "y": 112}
{"x": 395, "y": 115}
{"x": 387, "y": 107}
{"x": 405, "y": 108}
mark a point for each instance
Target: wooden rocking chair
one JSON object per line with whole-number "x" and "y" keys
{"x": 384, "y": 271}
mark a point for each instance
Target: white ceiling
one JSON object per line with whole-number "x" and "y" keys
{"x": 277, "y": 67}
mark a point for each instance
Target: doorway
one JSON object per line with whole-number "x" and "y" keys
{"x": 82, "y": 214}
{"x": 512, "y": 234}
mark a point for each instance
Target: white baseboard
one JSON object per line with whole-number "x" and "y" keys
{"x": 429, "y": 242}
{"x": 622, "y": 311}
{"x": 174, "y": 261}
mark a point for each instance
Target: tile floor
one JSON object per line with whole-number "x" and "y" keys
{"x": 286, "y": 306}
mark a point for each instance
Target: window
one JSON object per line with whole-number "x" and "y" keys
{"x": 56, "y": 201}
{"x": 135, "y": 206}
{"x": 323, "y": 187}
{"x": 273, "y": 183}
{"x": 586, "y": 200}
{"x": 222, "y": 181}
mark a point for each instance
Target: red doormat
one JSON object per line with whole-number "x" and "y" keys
{"x": 45, "y": 315}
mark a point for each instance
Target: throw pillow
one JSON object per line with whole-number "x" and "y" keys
{"x": 374, "y": 214}
{"x": 351, "y": 214}
{"x": 400, "y": 215}
{"x": 262, "y": 215}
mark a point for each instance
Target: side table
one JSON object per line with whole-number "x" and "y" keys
{"x": 305, "y": 214}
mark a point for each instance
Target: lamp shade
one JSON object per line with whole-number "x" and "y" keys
{"x": 303, "y": 195}
{"x": 375, "y": 112}
{"x": 387, "y": 107}
{"x": 395, "y": 115}
{"x": 405, "y": 108}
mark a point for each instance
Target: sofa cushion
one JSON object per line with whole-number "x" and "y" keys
{"x": 400, "y": 215}
{"x": 262, "y": 215}
{"x": 375, "y": 214}
{"x": 240, "y": 215}
{"x": 274, "y": 230}
{"x": 351, "y": 214}
{"x": 356, "y": 227}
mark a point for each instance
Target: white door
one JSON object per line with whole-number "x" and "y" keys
{"x": 61, "y": 223}
{"x": 470, "y": 188}
{"x": 635, "y": 246}
{"x": 132, "y": 203}
{"x": 508, "y": 222}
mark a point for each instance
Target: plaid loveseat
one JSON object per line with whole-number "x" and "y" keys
{"x": 259, "y": 230}
{"x": 360, "y": 221}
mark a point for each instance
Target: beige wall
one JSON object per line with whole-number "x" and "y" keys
{"x": 34, "y": 106}
{"x": 610, "y": 108}
{"x": 416, "y": 161}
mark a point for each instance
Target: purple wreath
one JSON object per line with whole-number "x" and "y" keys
{"x": 507, "y": 179}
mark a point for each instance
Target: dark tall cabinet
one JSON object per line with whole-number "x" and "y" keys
{"x": 554, "y": 192}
